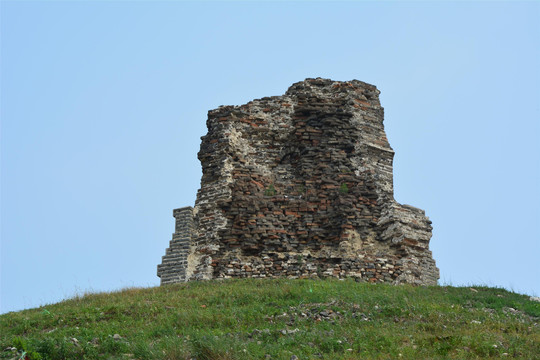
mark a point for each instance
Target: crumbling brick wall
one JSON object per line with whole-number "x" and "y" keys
{"x": 301, "y": 185}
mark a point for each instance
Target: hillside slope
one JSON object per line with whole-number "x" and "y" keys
{"x": 279, "y": 319}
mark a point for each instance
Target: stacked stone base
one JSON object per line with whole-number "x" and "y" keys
{"x": 403, "y": 255}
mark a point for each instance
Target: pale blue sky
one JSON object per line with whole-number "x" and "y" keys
{"x": 103, "y": 105}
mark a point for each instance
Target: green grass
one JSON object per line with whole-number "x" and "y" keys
{"x": 276, "y": 319}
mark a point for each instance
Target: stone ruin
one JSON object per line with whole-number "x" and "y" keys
{"x": 298, "y": 186}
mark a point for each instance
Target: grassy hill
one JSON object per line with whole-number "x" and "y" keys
{"x": 279, "y": 319}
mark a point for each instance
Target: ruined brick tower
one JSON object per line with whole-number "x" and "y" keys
{"x": 300, "y": 185}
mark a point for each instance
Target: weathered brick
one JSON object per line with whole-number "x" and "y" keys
{"x": 297, "y": 183}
